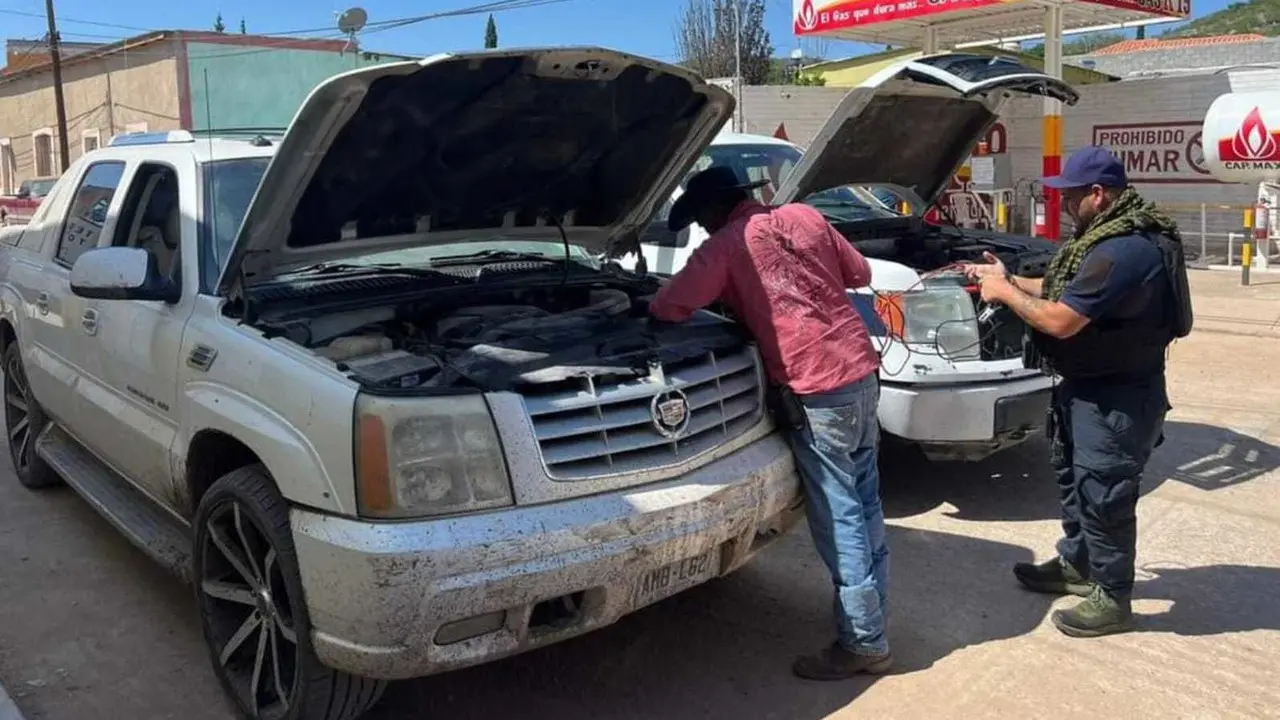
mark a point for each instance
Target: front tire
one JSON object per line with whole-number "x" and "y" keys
{"x": 253, "y": 613}
{"x": 23, "y": 421}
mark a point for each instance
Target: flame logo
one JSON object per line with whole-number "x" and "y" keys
{"x": 1253, "y": 141}
{"x": 807, "y": 19}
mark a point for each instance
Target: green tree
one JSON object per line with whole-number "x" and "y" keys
{"x": 218, "y": 25}
{"x": 491, "y": 33}
{"x": 810, "y": 79}
{"x": 708, "y": 30}
{"x": 243, "y": 29}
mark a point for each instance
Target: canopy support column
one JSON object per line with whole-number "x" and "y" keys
{"x": 1052, "y": 137}
{"x": 930, "y": 40}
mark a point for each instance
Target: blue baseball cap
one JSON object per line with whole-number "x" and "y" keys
{"x": 1092, "y": 165}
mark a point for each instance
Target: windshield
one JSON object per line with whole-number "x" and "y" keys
{"x": 229, "y": 187}
{"x": 231, "y": 184}
{"x": 772, "y": 162}
{"x": 40, "y": 188}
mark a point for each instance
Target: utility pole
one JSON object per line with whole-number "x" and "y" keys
{"x": 56, "y": 55}
{"x": 737, "y": 56}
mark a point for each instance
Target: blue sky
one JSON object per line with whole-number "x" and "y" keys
{"x": 640, "y": 26}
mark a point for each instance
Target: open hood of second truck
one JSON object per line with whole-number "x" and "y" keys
{"x": 914, "y": 123}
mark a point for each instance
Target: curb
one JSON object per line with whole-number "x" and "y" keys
{"x": 8, "y": 708}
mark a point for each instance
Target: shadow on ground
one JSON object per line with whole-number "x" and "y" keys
{"x": 1017, "y": 484}
{"x": 1211, "y": 600}
{"x": 724, "y": 650}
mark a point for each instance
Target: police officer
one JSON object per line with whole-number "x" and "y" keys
{"x": 1111, "y": 301}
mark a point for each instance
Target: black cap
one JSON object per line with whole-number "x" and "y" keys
{"x": 705, "y": 187}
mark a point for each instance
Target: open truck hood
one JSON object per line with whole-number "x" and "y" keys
{"x": 473, "y": 146}
{"x": 914, "y": 123}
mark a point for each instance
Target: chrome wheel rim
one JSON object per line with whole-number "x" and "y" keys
{"x": 17, "y": 416}
{"x": 248, "y": 612}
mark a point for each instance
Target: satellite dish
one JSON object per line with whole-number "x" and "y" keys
{"x": 352, "y": 21}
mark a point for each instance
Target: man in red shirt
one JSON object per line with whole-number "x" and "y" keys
{"x": 783, "y": 272}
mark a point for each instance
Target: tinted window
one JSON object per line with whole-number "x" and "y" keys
{"x": 229, "y": 187}
{"x": 88, "y": 211}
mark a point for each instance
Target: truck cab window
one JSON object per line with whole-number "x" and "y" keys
{"x": 151, "y": 219}
{"x": 88, "y": 212}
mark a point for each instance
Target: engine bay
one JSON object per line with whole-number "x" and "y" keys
{"x": 924, "y": 247}
{"x": 507, "y": 339}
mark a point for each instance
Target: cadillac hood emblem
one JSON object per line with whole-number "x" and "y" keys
{"x": 670, "y": 412}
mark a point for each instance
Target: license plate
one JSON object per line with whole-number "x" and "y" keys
{"x": 1022, "y": 412}
{"x": 680, "y": 575}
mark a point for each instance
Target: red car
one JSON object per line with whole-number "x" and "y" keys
{"x": 20, "y": 206}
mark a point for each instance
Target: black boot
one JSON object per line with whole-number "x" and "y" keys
{"x": 1055, "y": 577}
{"x": 838, "y": 663}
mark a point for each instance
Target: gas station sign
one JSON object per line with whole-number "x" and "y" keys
{"x": 1157, "y": 152}
{"x": 824, "y": 15}
{"x": 819, "y": 16}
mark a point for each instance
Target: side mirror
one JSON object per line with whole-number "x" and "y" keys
{"x": 120, "y": 273}
{"x": 23, "y": 193}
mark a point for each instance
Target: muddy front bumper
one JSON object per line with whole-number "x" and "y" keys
{"x": 399, "y": 600}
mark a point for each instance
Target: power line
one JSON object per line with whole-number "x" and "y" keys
{"x": 370, "y": 28}
{"x": 73, "y": 21}
{"x": 380, "y": 25}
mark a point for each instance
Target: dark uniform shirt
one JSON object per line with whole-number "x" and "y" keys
{"x": 1122, "y": 279}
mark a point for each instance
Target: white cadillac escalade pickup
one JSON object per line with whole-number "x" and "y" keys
{"x": 952, "y": 379}
{"x": 368, "y": 386}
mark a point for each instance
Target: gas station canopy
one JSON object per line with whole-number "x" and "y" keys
{"x": 960, "y": 23}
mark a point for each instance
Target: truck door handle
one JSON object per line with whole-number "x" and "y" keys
{"x": 42, "y": 303}
{"x": 89, "y": 321}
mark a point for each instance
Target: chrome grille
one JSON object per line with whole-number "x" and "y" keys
{"x": 606, "y": 429}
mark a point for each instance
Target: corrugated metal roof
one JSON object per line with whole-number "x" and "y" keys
{"x": 1129, "y": 46}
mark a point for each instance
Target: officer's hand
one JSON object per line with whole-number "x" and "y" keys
{"x": 993, "y": 266}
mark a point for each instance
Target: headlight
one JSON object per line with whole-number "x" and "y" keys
{"x": 427, "y": 456}
{"x": 937, "y": 320}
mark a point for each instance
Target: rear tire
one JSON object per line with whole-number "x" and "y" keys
{"x": 253, "y": 613}
{"x": 23, "y": 421}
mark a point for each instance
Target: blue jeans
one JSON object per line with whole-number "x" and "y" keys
{"x": 836, "y": 453}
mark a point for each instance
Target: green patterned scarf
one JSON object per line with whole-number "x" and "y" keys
{"x": 1127, "y": 215}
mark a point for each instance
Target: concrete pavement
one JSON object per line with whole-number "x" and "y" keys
{"x": 89, "y": 629}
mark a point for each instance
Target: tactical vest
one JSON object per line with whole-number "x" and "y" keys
{"x": 1122, "y": 348}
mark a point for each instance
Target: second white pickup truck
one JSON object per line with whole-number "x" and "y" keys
{"x": 953, "y": 382}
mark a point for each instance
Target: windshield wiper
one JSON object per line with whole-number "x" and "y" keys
{"x": 326, "y": 268}
{"x": 488, "y": 256}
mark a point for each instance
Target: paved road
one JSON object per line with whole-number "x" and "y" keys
{"x": 89, "y": 629}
